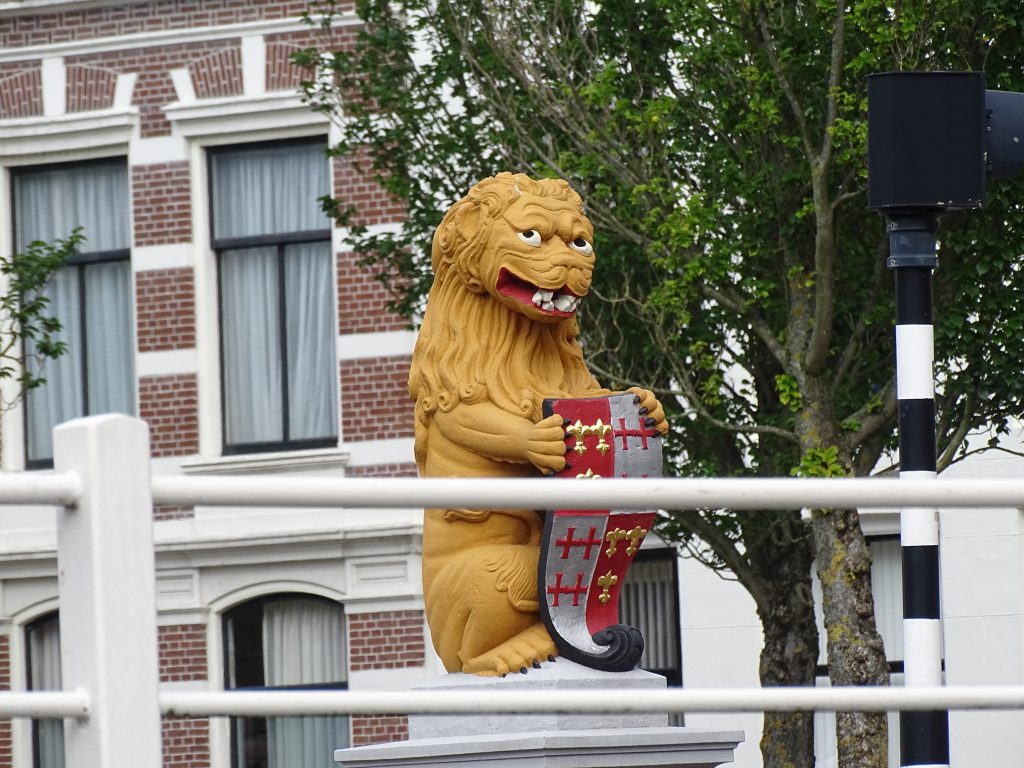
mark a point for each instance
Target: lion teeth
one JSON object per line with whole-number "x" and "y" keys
{"x": 564, "y": 302}
{"x": 548, "y": 300}
{"x": 542, "y": 298}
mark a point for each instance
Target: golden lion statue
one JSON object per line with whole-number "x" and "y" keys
{"x": 512, "y": 260}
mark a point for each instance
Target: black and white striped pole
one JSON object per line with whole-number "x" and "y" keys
{"x": 924, "y": 736}
{"x": 933, "y": 139}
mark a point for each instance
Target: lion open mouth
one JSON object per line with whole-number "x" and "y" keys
{"x": 560, "y": 302}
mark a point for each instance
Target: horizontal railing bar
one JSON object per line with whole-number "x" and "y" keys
{"x": 62, "y": 489}
{"x": 44, "y": 704}
{"x": 539, "y": 493}
{"x": 591, "y": 701}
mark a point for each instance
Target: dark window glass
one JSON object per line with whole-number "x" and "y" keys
{"x": 291, "y": 642}
{"x": 42, "y": 641}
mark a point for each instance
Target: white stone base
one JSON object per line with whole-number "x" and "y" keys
{"x": 614, "y": 748}
{"x": 559, "y": 675}
{"x": 627, "y": 740}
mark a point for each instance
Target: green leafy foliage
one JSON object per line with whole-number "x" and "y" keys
{"x": 25, "y": 317}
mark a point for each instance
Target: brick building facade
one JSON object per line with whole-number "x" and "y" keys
{"x": 152, "y": 117}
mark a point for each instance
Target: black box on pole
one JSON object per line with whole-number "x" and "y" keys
{"x": 926, "y": 140}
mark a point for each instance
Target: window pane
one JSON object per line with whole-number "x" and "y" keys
{"x": 309, "y": 293}
{"x": 302, "y": 641}
{"x": 108, "y": 329}
{"x": 887, "y": 589}
{"x": 50, "y": 203}
{"x": 60, "y": 398}
{"x": 648, "y": 601}
{"x": 269, "y": 190}
{"x": 251, "y": 346}
{"x": 43, "y": 639}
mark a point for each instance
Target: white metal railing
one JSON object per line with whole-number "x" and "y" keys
{"x": 105, "y": 560}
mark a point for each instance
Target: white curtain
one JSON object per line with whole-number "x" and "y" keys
{"x": 269, "y": 190}
{"x": 44, "y": 675}
{"x": 251, "y": 346}
{"x": 110, "y": 359}
{"x": 60, "y": 398}
{"x": 49, "y": 204}
{"x": 309, "y": 291}
{"x": 304, "y": 644}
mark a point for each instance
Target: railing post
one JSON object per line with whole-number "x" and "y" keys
{"x": 105, "y": 562}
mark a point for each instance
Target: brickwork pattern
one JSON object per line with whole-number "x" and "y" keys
{"x": 378, "y": 729}
{"x": 154, "y": 88}
{"x": 182, "y": 652}
{"x": 386, "y": 640}
{"x": 375, "y": 401}
{"x": 169, "y": 405}
{"x": 363, "y": 299}
{"x": 354, "y": 185}
{"x": 218, "y": 74}
{"x": 165, "y": 309}
{"x": 6, "y": 754}
{"x": 161, "y": 203}
{"x": 21, "y": 90}
{"x": 90, "y": 88}
{"x": 132, "y": 18}
{"x": 186, "y": 742}
{"x": 282, "y": 75}
{"x": 383, "y": 470}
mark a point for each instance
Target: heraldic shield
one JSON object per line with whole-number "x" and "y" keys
{"x": 585, "y": 554}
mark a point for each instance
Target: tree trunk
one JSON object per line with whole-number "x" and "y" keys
{"x": 790, "y": 653}
{"x": 856, "y": 655}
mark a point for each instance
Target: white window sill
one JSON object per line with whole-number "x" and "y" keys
{"x": 281, "y": 461}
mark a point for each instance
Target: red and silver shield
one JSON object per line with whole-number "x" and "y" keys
{"x": 585, "y": 553}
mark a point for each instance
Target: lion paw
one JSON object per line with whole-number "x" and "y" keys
{"x": 517, "y": 654}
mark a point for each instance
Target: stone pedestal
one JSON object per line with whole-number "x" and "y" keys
{"x": 637, "y": 740}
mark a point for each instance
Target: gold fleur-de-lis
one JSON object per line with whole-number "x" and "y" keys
{"x": 606, "y": 583}
{"x": 588, "y": 475}
{"x": 635, "y": 535}
{"x": 603, "y": 431}
{"x": 613, "y": 538}
{"x": 578, "y": 431}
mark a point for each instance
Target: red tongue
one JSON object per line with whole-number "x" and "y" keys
{"x": 510, "y": 285}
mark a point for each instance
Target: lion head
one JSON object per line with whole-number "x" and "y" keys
{"x": 512, "y": 261}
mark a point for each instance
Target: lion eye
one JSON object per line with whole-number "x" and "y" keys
{"x": 530, "y": 237}
{"x": 581, "y": 245}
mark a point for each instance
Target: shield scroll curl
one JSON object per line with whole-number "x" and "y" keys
{"x": 585, "y": 554}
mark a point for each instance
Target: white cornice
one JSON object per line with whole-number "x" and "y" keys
{"x": 239, "y": 114}
{"x": 160, "y": 37}
{"x": 92, "y": 133}
{"x": 290, "y": 461}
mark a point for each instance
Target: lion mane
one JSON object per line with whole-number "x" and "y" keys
{"x": 472, "y": 348}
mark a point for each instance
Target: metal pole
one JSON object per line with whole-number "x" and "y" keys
{"x": 924, "y": 735}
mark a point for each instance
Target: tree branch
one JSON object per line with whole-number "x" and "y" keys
{"x": 787, "y": 87}
{"x": 725, "y": 549}
{"x": 757, "y": 324}
{"x": 958, "y": 436}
